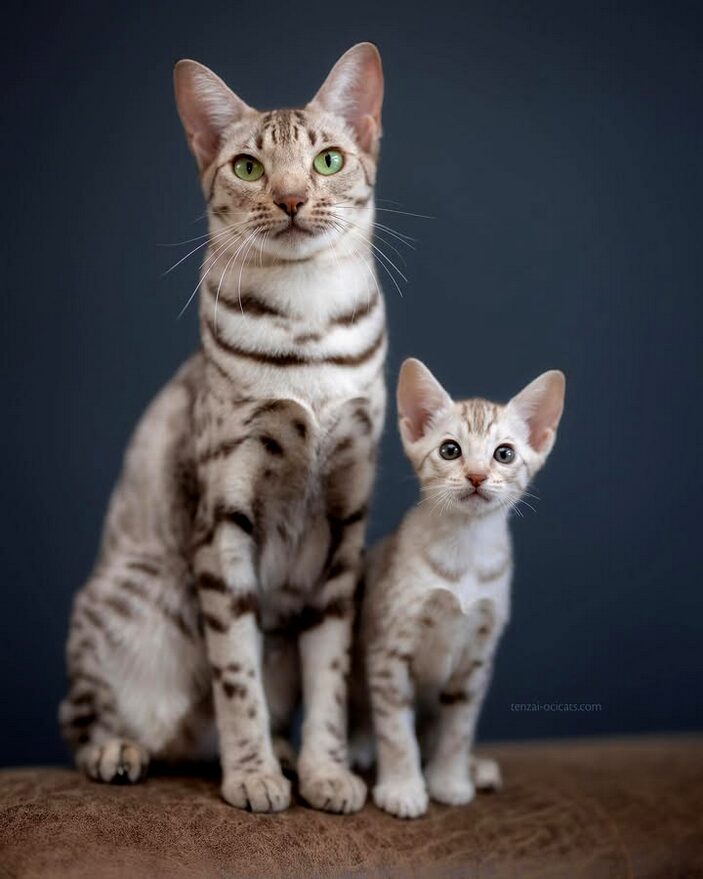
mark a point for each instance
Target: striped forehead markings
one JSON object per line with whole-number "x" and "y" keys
{"x": 479, "y": 415}
{"x": 284, "y": 127}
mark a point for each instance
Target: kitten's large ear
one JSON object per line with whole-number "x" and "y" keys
{"x": 420, "y": 397}
{"x": 206, "y": 106}
{"x": 540, "y": 405}
{"x": 354, "y": 91}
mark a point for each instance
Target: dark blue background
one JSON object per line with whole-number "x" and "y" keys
{"x": 558, "y": 148}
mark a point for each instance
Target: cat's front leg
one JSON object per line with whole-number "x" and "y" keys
{"x": 252, "y": 776}
{"x": 326, "y": 782}
{"x": 400, "y": 788}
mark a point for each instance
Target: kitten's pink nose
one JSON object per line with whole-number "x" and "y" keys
{"x": 476, "y": 478}
{"x": 290, "y": 203}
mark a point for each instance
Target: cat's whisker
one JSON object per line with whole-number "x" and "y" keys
{"x": 220, "y": 252}
{"x": 222, "y": 276}
{"x": 403, "y": 239}
{"x": 210, "y": 239}
{"x": 363, "y": 238}
{"x": 250, "y": 241}
{"x": 394, "y": 211}
{"x": 355, "y": 252}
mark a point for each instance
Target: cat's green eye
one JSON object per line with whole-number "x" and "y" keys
{"x": 449, "y": 450}
{"x": 328, "y": 162}
{"x": 248, "y": 168}
{"x": 504, "y": 454}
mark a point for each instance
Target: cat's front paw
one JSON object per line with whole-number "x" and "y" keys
{"x": 331, "y": 787}
{"x": 404, "y": 798}
{"x": 486, "y": 774}
{"x": 449, "y": 786}
{"x": 257, "y": 790}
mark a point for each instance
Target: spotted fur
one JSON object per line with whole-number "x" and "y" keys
{"x": 437, "y": 591}
{"x": 224, "y": 584}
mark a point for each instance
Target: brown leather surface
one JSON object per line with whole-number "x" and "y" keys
{"x": 617, "y": 808}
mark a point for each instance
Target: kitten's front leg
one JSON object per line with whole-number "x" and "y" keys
{"x": 400, "y": 787}
{"x": 449, "y": 771}
{"x": 252, "y": 776}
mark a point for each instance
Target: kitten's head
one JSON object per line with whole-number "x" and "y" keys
{"x": 473, "y": 455}
{"x": 295, "y": 180}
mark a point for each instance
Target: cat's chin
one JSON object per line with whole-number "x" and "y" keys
{"x": 296, "y": 242}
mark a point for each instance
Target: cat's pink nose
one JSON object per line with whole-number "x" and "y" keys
{"x": 476, "y": 478}
{"x": 290, "y": 203}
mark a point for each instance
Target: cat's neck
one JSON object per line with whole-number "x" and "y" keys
{"x": 313, "y": 290}
{"x": 311, "y": 330}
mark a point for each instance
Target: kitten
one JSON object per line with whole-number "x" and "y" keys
{"x": 233, "y": 539}
{"x": 437, "y": 590}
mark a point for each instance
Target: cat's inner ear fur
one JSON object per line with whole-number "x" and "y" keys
{"x": 420, "y": 399}
{"x": 540, "y": 405}
{"x": 354, "y": 91}
{"x": 207, "y": 107}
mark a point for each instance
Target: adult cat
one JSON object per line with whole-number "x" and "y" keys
{"x": 233, "y": 538}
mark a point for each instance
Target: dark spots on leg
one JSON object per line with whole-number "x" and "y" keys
{"x": 210, "y": 583}
{"x": 311, "y": 617}
{"x": 272, "y": 446}
{"x": 214, "y": 623}
{"x": 343, "y": 445}
{"x": 300, "y": 428}
{"x": 234, "y": 691}
{"x": 454, "y": 698}
{"x": 364, "y": 420}
{"x": 144, "y": 568}
{"x": 244, "y": 603}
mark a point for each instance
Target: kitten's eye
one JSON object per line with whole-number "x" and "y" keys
{"x": 328, "y": 162}
{"x": 248, "y": 168}
{"x": 449, "y": 450}
{"x": 504, "y": 454}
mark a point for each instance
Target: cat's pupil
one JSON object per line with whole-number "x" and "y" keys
{"x": 250, "y": 167}
{"x": 328, "y": 160}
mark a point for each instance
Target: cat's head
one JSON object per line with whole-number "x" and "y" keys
{"x": 295, "y": 180}
{"x": 473, "y": 455}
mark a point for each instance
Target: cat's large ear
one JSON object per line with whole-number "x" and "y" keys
{"x": 420, "y": 398}
{"x": 206, "y": 106}
{"x": 540, "y": 405}
{"x": 354, "y": 91}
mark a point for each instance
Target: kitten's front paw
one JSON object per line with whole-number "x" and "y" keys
{"x": 486, "y": 774}
{"x": 116, "y": 761}
{"x": 258, "y": 791}
{"x": 332, "y": 788}
{"x": 448, "y": 786}
{"x": 404, "y": 799}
